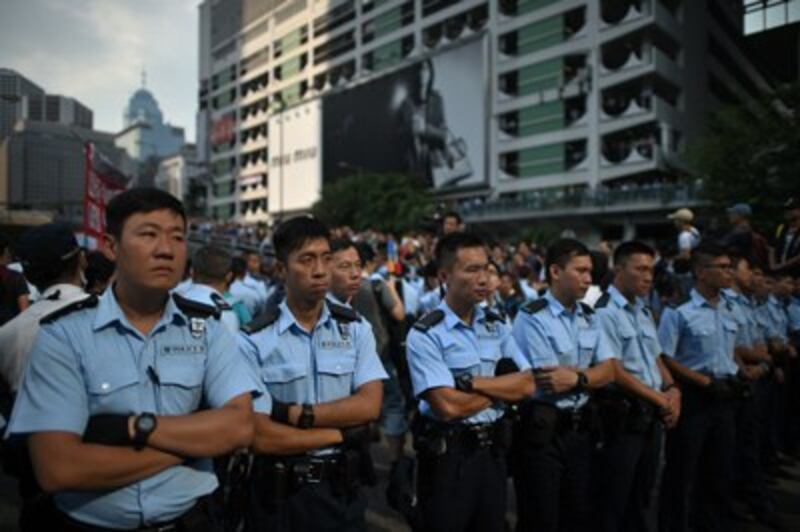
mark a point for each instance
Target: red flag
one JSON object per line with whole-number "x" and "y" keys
{"x": 103, "y": 182}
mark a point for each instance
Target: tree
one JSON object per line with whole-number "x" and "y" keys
{"x": 386, "y": 202}
{"x": 751, "y": 154}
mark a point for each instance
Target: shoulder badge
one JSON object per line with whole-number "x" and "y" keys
{"x": 429, "y": 320}
{"x": 532, "y": 307}
{"x": 89, "y": 302}
{"x": 195, "y": 309}
{"x": 342, "y": 313}
{"x": 603, "y": 301}
{"x": 263, "y": 321}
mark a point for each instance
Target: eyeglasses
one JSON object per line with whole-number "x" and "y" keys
{"x": 727, "y": 267}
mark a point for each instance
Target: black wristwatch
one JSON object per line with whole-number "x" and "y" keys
{"x": 583, "y": 382}
{"x": 143, "y": 427}
{"x": 306, "y": 419}
{"x": 464, "y": 383}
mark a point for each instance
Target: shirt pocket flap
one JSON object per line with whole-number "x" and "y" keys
{"x": 587, "y": 339}
{"x": 186, "y": 371}
{"x": 730, "y": 325}
{"x": 283, "y": 373}
{"x": 107, "y": 382}
{"x": 337, "y": 364}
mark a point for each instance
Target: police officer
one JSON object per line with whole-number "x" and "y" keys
{"x": 110, "y": 399}
{"x": 464, "y": 366}
{"x": 644, "y": 398}
{"x": 560, "y": 338}
{"x": 211, "y": 276}
{"x": 699, "y": 339}
{"x": 317, "y": 361}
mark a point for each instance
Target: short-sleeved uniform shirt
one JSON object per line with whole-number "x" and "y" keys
{"x": 779, "y": 317}
{"x": 93, "y": 361}
{"x": 744, "y": 312}
{"x": 551, "y": 335}
{"x": 630, "y": 332}
{"x": 442, "y": 347}
{"x": 793, "y": 313}
{"x": 208, "y": 296}
{"x": 702, "y": 337}
{"x": 298, "y": 366}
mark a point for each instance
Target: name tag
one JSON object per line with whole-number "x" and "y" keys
{"x": 183, "y": 349}
{"x": 335, "y": 344}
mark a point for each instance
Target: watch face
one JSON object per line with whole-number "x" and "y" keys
{"x": 146, "y": 423}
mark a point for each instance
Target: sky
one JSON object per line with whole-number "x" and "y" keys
{"x": 95, "y": 51}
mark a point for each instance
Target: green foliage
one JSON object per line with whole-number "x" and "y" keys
{"x": 752, "y": 154}
{"x": 386, "y": 202}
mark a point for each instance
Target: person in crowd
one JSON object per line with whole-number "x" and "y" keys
{"x": 99, "y": 272}
{"x": 464, "y": 366}
{"x": 688, "y": 235}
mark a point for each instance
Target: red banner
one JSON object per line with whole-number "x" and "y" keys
{"x": 103, "y": 182}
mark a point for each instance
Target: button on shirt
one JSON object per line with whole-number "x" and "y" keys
{"x": 556, "y": 336}
{"x": 328, "y": 363}
{"x": 17, "y": 335}
{"x": 452, "y": 348}
{"x": 93, "y": 361}
{"x": 702, "y": 337}
{"x": 629, "y": 330}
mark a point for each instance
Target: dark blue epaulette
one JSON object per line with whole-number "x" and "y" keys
{"x": 587, "y": 309}
{"x": 532, "y": 307}
{"x": 263, "y": 321}
{"x": 89, "y": 302}
{"x": 342, "y": 313}
{"x": 603, "y": 301}
{"x": 195, "y": 309}
{"x": 429, "y": 320}
{"x": 492, "y": 315}
{"x": 221, "y": 303}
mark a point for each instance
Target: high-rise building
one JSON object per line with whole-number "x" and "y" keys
{"x": 145, "y": 135}
{"x": 514, "y": 109}
{"x": 14, "y": 88}
{"x": 57, "y": 109}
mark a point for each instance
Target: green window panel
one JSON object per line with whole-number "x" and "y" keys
{"x": 541, "y": 160}
{"x": 387, "y": 22}
{"x": 225, "y": 189}
{"x": 539, "y": 77}
{"x": 387, "y": 55}
{"x": 526, "y": 6}
{"x": 291, "y": 67}
{"x": 291, "y": 40}
{"x": 291, "y": 94}
{"x": 541, "y": 118}
{"x": 540, "y": 35}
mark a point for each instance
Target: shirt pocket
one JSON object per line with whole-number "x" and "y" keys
{"x": 460, "y": 361}
{"x": 489, "y": 355}
{"x": 181, "y": 383}
{"x": 564, "y": 349}
{"x": 702, "y": 338}
{"x": 335, "y": 374}
{"x": 112, "y": 387}
{"x": 285, "y": 382}
{"x": 587, "y": 345}
{"x": 731, "y": 329}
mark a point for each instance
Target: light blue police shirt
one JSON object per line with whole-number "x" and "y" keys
{"x": 744, "y": 313}
{"x": 551, "y": 335}
{"x": 93, "y": 361}
{"x": 451, "y": 348}
{"x": 793, "y": 313}
{"x": 630, "y": 331}
{"x": 328, "y": 363}
{"x": 779, "y": 318}
{"x": 702, "y": 337}
{"x": 208, "y": 296}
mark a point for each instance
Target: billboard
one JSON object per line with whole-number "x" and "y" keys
{"x": 428, "y": 119}
{"x": 294, "y": 175}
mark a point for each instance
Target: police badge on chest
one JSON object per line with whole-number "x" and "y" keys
{"x": 197, "y": 327}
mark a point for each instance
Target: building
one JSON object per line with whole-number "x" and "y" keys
{"x": 13, "y": 89}
{"x": 57, "y": 109}
{"x": 43, "y": 167}
{"x": 183, "y": 176}
{"x": 145, "y": 135}
{"x": 576, "y": 111}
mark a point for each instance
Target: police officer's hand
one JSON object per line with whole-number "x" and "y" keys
{"x": 791, "y": 351}
{"x": 751, "y": 373}
{"x": 780, "y": 376}
{"x": 556, "y": 379}
{"x": 672, "y": 412}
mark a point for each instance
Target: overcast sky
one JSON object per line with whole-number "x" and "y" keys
{"x": 95, "y": 50}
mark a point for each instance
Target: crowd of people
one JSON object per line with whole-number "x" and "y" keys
{"x": 626, "y": 387}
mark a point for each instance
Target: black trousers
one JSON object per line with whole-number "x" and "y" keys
{"x": 748, "y": 472}
{"x": 624, "y": 478}
{"x": 311, "y": 507}
{"x": 552, "y": 483}
{"x": 462, "y": 490}
{"x": 699, "y": 460}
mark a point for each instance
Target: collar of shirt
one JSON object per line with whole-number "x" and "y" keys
{"x": 109, "y": 311}
{"x": 330, "y": 296}
{"x": 287, "y": 319}
{"x": 65, "y": 291}
{"x": 451, "y": 319}
{"x": 698, "y": 300}
{"x": 622, "y": 302}
{"x": 557, "y": 309}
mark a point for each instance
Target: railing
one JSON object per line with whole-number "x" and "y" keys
{"x": 584, "y": 201}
